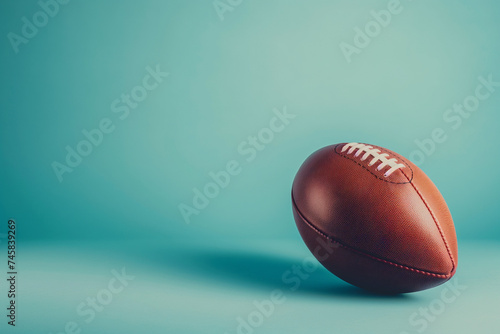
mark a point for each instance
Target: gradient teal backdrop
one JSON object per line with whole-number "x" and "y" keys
{"x": 225, "y": 78}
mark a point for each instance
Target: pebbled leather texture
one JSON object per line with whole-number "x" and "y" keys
{"x": 395, "y": 233}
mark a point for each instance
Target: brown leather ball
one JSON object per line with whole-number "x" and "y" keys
{"x": 391, "y": 228}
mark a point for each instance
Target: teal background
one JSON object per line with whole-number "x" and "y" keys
{"x": 120, "y": 206}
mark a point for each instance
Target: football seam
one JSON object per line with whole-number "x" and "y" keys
{"x": 364, "y": 253}
{"x": 371, "y": 172}
{"x": 435, "y": 222}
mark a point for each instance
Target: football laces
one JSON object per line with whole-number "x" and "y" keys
{"x": 370, "y": 151}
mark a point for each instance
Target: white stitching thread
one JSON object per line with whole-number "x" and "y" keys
{"x": 375, "y": 153}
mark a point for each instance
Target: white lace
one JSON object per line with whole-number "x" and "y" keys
{"x": 375, "y": 153}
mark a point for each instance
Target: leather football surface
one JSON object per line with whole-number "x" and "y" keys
{"x": 391, "y": 226}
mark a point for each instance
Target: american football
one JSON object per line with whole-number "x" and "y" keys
{"x": 393, "y": 230}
